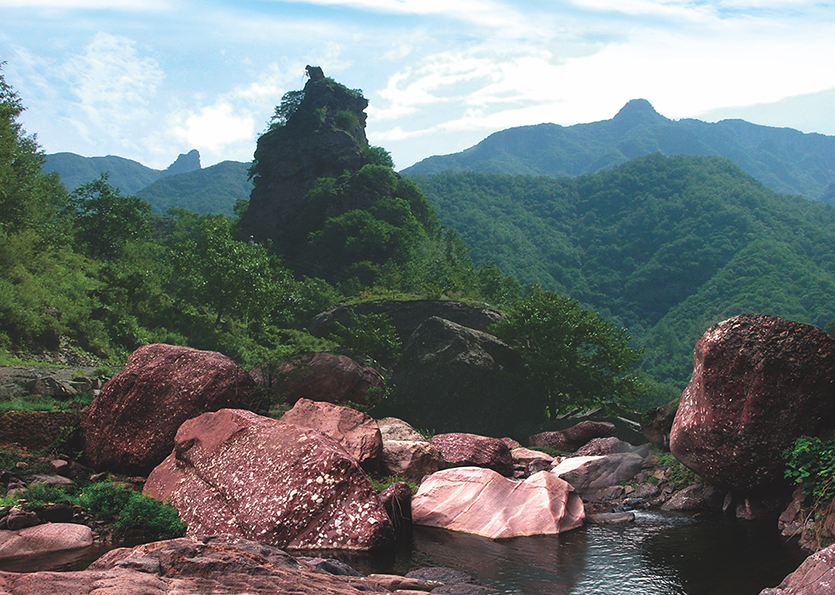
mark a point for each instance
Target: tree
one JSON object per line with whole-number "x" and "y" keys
{"x": 105, "y": 220}
{"x": 576, "y": 357}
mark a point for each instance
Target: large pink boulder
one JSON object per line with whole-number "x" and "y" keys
{"x": 237, "y": 473}
{"x": 323, "y": 377}
{"x": 357, "y": 432}
{"x": 462, "y": 450}
{"x": 759, "y": 382}
{"x": 132, "y": 423}
{"x": 43, "y": 539}
{"x": 480, "y": 501}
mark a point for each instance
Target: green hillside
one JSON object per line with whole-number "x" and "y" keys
{"x": 213, "y": 189}
{"x": 665, "y": 246}
{"x": 783, "y": 159}
{"x": 127, "y": 175}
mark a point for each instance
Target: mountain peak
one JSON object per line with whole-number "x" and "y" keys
{"x": 185, "y": 162}
{"x": 637, "y": 111}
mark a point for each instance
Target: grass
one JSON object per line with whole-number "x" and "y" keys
{"x": 42, "y": 403}
{"x": 382, "y": 483}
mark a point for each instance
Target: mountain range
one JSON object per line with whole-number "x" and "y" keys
{"x": 785, "y": 160}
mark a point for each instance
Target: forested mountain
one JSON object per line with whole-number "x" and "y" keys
{"x": 213, "y": 189}
{"x": 783, "y": 159}
{"x": 125, "y": 174}
{"x": 666, "y": 246}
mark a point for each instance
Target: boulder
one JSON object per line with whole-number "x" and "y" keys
{"x": 453, "y": 378}
{"x": 397, "y": 500}
{"x": 49, "y": 386}
{"x": 533, "y": 460}
{"x": 759, "y": 382}
{"x": 412, "y": 460}
{"x": 603, "y": 446}
{"x": 589, "y": 476}
{"x": 815, "y": 576}
{"x": 43, "y": 539}
{"x": 322, "y": 377}
{"x": 354, "y": 430}
{"x": 241, "y": 474}
{"x": 222, "y": 565}
{"x": 696, "y": 497}
{"x": 576, "y": 436}
{"x": 656, "y": 424}
{"x": 132, "y": 423}
{"x": 481, "y": 501}
{"x": 471, "y": 450}
{"x": 392, "y": 428}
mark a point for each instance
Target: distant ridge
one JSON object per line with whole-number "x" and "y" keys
{"x": 785, "y": 160}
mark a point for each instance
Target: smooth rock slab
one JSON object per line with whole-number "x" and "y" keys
{"x": 481, "y": 501}
{"x": 42, "y": 539}
{"x": 237, "y": 473}
{"x": 590, "y": 475}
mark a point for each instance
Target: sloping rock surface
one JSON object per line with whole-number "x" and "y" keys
{"x": 132, "y": 423}
{"x": 354, "y": 430}
{"x": 322, "y": 377}
{"x": 238, "y": 473}
{"x": 471, "y": 450}
{"x": 576, "y": 436}
{"x": 41, "y": 539}
{"x": 480, "y": 501}
{"x": 815, "y": 576}
{"x": 590, "y": 475}
{"x": 221, "y": 565}
{"x": 759, "y": 382}
{"x": 412, "y": 460}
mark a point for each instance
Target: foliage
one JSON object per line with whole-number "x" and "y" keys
{"x": 290, "y": 103}
{"x": 810, "y": 461}
{"x": 382, "y": 483}
{"x": 373, "y": 335}
{"x": 678, "y": 475}
{"x": 105, "y": 220}
{"x": 42, "y": 403}
{"x": 578, "y": 358}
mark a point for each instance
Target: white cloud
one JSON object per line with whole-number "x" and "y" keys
{"x": 214, "y": 127}
{"x": 126, "y": 5}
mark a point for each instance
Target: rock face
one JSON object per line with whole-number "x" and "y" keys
{"x": 471, "y": 450}
{"x": 454, "y": 378}
{"x": 323, "y": 137}
{"x": 815, "y": 576}
{"x": 221, "y": 565}
{"x": 132, "y": 423}
{"x": 658, "y": 423}
{"x": 42, "y": 539}
{"x": 241, "y": 474}
{"x": 758, "y": 383}
{"x": 323, "y": 377}
{"x": 354, "y": 430}
{"x": 410, "y": 459}
{"x": 406, "y": 316}
{"x": 480, "y": 501}
{"x": 574, "y": 437}
{"x": 591, "y": 475}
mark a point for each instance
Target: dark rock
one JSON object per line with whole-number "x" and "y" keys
{"x": 696, "y": 497}
{"x": 132, "y": 423}
{"x": 460, "y": 589}
{"x": 759, "y": 382}
{"x": 465, "y": 450}
{"x": 55, "y": 513}
{"x": 354, "y": 430}
{"x": 454, "y": 378}
{"x": 766, "y": 502}
{"x": 440, "y": 574}
{"x": 20, "y": 519}
{"x": 574, "y": 437}
{"x": 397, "y": 500}
{"x": 322, "y": 377}
{"x": 815, "y": 576}
{"x": 407, "y": 316}
{"x": 331, "y": 566}
{"x": 610, "y": 518}
{"x": 49, "y": 386}
{"x": 37, "y": 429}
{"x": 657, "y": 424}
{"x": 238, "y": 473}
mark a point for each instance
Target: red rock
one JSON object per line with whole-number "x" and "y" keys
{"x": 222, "y": 565}
{"x": 412, "y": 460}
{"x": 759, "y": 382}
{"x": 574, "y": 437}
{"x": 480, "y": 501}
{"x": 815, "y": 576}
{"x": 603, "y": 446}
{"x": 397, "y": 500}
{"x": 533, "y": 460}
{"x": 354, "y": 430}
{"x": 132, "y": 423}
{"x": 42, "y": 539}
{"x": 323, "y": 377}
{"x": 463, "y": 450}
{"x": 238, "y": 473}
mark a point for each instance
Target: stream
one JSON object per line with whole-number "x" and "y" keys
{"x": 657, "y": 554}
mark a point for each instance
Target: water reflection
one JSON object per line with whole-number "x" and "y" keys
{"x": 658, "y": 554}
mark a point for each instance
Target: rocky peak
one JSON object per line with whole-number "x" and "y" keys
{"x": 323, "y": 136}
{"x": 637, "y": 112}
{"x": 186, "y": 162}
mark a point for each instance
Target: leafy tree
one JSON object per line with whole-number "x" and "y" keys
{"x": 290, "y": 102}
{"x": 578, "y": 358}
{"x": 105, "y": 220}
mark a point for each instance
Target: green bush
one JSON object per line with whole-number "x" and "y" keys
{"x": 811, "y": 462}
{"x": 143, "y": 516}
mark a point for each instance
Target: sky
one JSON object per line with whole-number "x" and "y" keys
{"x": 151, "y": 79}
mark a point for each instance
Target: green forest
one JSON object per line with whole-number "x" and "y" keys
{"x": 663, "y": 246}
{"x": 95, "y": 271}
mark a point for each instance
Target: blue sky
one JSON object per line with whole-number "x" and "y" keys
{"x": 150, "y": 79}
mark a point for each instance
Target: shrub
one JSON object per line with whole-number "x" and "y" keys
{"x": 811, "y": 462}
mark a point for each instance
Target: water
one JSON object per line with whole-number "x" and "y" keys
{"x": 658, "y": 554}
